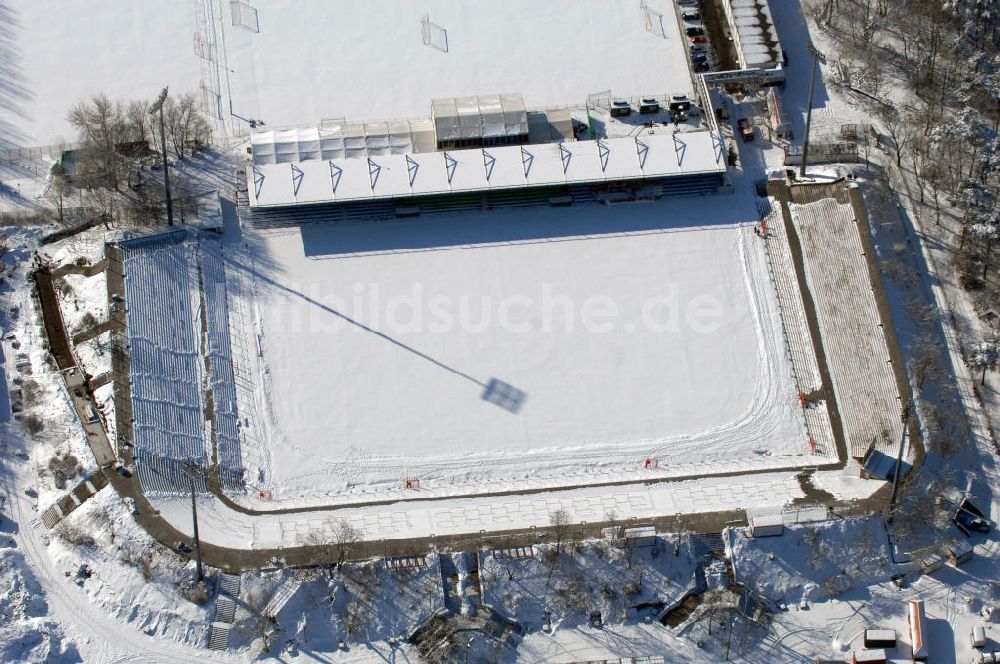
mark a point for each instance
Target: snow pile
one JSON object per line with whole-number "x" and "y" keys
{"x": 361, "y": 603}
{"x": 814, "y": 562}
{"x": 556, "y": 589}
{"x": 26, "y": 635}
{"x": 125, "y": 573}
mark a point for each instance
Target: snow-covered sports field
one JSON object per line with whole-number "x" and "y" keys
{"x": 515, "y": 349}
{"x": 373, "y": 64}
{"x": 298, "y": 63}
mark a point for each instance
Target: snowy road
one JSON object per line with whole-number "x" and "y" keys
{"x": 98, "y": 636}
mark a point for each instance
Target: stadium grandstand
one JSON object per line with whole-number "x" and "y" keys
{"x": 175, "y": 286}
{"x": 486, "y": 158}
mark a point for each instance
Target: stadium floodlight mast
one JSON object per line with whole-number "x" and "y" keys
{"x": 191, "y": 468}
{"x": 157, "y": 107}
{"x": 818, "y": 57}
{"x": 905, "y": 417}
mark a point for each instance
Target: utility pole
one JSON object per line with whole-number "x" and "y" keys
{"x": 191, "y": 468}
{"x": 817, "y": 58}
{"x": 157, "y": 107}
{"x": 905, "y": 417}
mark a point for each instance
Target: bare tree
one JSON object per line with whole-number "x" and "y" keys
{"x": 102, "y": 127}
{"x": 925, "y": 360}
{"x": 334, "y": 547}
{"x": 345, "y": 538}
{"x": 186, "y": 126}
{"x": 985, "y": 354}
{"x": 559, "y": 520}
{"x": 895, "y": 124}
{"x": 55, "y": 189}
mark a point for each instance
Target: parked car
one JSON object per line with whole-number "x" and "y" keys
{"x": 620, "y": 108}
{"x": 679, "y": 103}
{"x": 699, "y": 39}
{"x": 691, "y": 15}
{"x": 746, "y": 129}
{"x": 702, "y": 66}
{"x": 693, "y": 30}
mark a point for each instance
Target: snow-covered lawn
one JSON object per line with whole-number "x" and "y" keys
{"x": 315, "y": 609}
{"x": 518, "y": 345}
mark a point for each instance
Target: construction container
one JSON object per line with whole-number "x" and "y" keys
{"x": 767, "y": 526}
{"x": 876, "y": 656}
{"x": 640, "y": 536}
{"x": 958, "y": 552}
{"x": 880, "y": 638}
{"x": 931, "y": 563}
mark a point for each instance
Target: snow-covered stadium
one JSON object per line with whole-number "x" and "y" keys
{"x": 440, "y": 306}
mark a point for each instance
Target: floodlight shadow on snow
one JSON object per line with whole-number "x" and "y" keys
{"x": 433, "y": 35}
{"x": 504, "y": 395}
{"x": 362, "y": 326}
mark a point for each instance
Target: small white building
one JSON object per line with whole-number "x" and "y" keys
{"x": 767, "y": 526}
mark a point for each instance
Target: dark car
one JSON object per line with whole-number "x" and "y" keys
{"x": 745, "y": 129}
{"x": 693, "y": 30}
{"x": 972, "y": 522}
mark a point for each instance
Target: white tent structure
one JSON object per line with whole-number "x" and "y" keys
{"x": 461, "y": 122}
{"x": 339, "y": 141}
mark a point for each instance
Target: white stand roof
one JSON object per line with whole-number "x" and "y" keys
{"x": 404, "y": 175}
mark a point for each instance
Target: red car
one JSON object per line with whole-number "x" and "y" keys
{"x": 699, "y": 39}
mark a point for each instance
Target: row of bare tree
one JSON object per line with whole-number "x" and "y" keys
{"x": 109, "y": 174}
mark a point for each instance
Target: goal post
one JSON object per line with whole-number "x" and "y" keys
{"x": 432, "y": 34}
{"x": 244, "y": 15}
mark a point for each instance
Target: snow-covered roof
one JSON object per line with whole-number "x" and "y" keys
{"x": 754, "y": 32}
{"x": 485, "y": 117}
{"x": 338, "y": 140}
{"x": 402, "y": 175}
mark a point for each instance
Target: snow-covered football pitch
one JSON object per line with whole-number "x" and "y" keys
{"x": 509, "y": 350}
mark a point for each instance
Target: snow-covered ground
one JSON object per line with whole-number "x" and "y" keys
{"x": 559, "y": 590}
{"x": 123, "y": 49}
{"x": 628, "y": 334}
{"x": 372, "y": 64}
{"x": 299, "y": 66}
{"x": 418, "y": 518}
